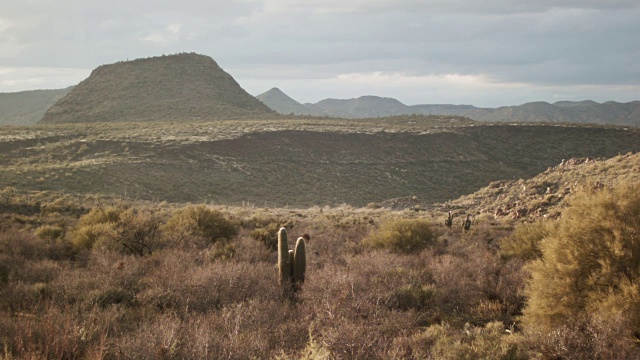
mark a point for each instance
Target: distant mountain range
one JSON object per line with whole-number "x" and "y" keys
{"x": 192, "y": 86}
{"x": 373, "y": 106}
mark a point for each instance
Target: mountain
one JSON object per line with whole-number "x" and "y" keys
{"x": 174, "y": 87}
{"x": 27, "y": 107}
{"x": 277, "y": 100}
{"x": 443, "y": 109}
{"x": 587, "y": 112}
{"x": 362, "y": 107}
{"x": 565, "y": 111}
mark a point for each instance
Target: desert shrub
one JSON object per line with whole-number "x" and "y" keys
{"x": 402, "y": 235}
{"x": 84, "y": 237}
{"x": 412, "y": 297}
{"x": 4, "y": 271}
{"x": 137, "y": 233}
{"x": 99, "y": 223}
{"x": 101, "y": 215}
{"x": 267, "y": 235}
{"x": 446, "y": 342}
{"x": 129, "y": 231}
{"x": 590, "y": 263}
{"x": 265, "y": 229}
{"x": 584, "y": 337}
{"x": 104, "y": 298}
{"x": 49, "y": 232}
{"x": 200, "y": 222}
{"x": 524, "y": 242}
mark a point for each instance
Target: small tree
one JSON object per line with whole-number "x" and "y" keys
{"x": 590, "y": 264}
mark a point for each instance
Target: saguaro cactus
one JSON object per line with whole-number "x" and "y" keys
{"x": 284, "y": 268}
{"x": 466, "y": 225}
{"x": 291, "y": 263}
{"x": 449, "y": 222}
{"x": 299, "y": 262}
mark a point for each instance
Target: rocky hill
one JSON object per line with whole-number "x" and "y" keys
{"x": 27, "y": 107}
{"x": 545, "y": 195}
{"x": 174, "y": 87}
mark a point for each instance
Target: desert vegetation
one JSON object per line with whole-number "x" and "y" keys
{"x": 105, "y": 278}
{"x": 327, "y": 161}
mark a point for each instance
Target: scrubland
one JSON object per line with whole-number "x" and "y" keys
{"x": 92, "y": 277}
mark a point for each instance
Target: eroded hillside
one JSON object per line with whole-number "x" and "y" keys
{"x": 279, "y": 163}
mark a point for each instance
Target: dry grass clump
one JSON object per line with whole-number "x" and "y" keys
{"x": 492, "y": 341}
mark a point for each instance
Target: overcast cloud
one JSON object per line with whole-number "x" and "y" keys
{"x": 489, "y": 53}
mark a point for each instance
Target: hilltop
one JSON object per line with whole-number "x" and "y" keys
{"x": 27, "y": 107}
{"x": 173, "y": 87}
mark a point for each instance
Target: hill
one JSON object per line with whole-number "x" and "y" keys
{"x": 584, "y": 112}
{"x": 27, "y": 107}
{"x": 294, "y": 162}
{"x": 362, "y": 107}
{"x": 174, "y": 87}
{"x": 545, "y": 194}
{"x": 277, "y": 100}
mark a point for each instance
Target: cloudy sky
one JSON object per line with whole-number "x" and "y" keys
{"x": 485, "y": 53}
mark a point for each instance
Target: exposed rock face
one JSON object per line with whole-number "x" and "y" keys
{"x": 174, "y": 87}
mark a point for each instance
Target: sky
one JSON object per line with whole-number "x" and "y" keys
{"x": 485, "y": 53}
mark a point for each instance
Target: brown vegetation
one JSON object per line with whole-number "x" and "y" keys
{"x": 455, "y": 294}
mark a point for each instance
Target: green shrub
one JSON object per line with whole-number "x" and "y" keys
{"x": 86, "y": 236}
{"x": 524, "y": 242}
{"x": 590, "y": 264}
{"x": 401, "y": 235}
{"x": 49, "y": 232}
{"x": 100, "y": 215}
{"x": 129, "y": 231}
{"x": 202, "y": 222}
{"x": 267, "y": 235}
{"x": 96, "y": 224}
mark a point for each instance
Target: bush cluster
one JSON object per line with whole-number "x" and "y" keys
{"x": 402, "y": 235}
